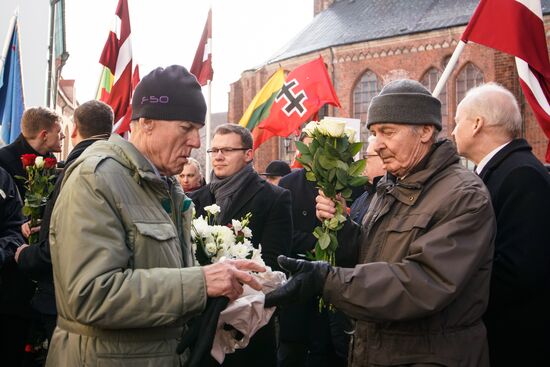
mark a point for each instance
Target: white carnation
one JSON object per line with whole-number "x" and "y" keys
{"x": 239, "y": 251}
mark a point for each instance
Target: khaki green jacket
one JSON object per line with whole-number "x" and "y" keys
{"x": 121, "y": 256}
{"x": 423, "y": 283}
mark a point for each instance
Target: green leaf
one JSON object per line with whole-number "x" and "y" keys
{"x": 333, "y": 242}
{"x": 346, "y": 193}
{"x": 357, "y": 168}
{"x": 342, "y": 176}
{"x": 310, "y": 176}
{"x": 327, "y": 162}
{"x": 342, "y": 165}
{"x": 324, "y": 241}
{"x": 342, "y": 145}
{"x": 355, "y": 148}
{"x": 358, "y": 181}
{"x": 331, "y": 150}
{"x": 26, "y": 211}
{"x": 331, "y": 175}
{"x": 302, "y": 148}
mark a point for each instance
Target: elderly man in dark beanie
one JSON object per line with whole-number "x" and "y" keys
{"x": 424, "y": 255}
{"x": 120, "y": 238}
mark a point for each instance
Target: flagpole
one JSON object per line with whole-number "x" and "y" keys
{"x": 207, "y": 162}
{"x": 448, "y": 69}
{"x": 208, "y": 128}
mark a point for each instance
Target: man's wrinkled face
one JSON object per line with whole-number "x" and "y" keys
{"x": 398, "y": 145}
{"x": 168, "y": 144}
{"x": 53, "y": 138}
{"x": 228, "y": 155}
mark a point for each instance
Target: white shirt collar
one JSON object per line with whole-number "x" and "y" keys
{"x": 488, "y": 157}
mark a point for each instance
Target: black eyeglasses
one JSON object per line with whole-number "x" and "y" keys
{"x": 224, "y": 151}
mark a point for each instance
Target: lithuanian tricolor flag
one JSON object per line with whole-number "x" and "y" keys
{"x": 260, "y": 106}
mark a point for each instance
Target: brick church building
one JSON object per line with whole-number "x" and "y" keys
{"x": 368, "y": 43}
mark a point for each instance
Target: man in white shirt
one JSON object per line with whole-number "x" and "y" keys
{"x": 488, "y": 130}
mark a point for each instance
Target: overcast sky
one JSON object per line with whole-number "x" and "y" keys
{"x": 165, "y": 32}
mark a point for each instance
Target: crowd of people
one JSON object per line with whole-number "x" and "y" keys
{"x": 437, "y": 265}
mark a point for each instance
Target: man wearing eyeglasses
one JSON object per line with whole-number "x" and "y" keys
{"x": 239, "y": 190}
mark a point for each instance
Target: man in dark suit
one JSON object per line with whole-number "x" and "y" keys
{"x": 92, "y": 121}
{"x": 488, "y": 126}
{"x": 13, "y": 312}
{"x": 239, "y": 190}
{"x": 41, "y": 135}
{"x": 308, "y": 337}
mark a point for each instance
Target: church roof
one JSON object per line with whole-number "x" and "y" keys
{"x": 352, "y": 21}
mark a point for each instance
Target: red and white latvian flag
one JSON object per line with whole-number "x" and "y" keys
{"x": 202, "y": 63}
{"x": 516, "y": 27}
{"x": 115, "y": 86}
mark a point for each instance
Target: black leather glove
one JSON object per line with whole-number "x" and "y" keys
{"x": 306, "y": 281}
{"x": 198, "y": 338}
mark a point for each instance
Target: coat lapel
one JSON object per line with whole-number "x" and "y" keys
{"x": 514, "y": 145}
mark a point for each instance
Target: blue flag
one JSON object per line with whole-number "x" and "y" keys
{"x": 12, "y": 103}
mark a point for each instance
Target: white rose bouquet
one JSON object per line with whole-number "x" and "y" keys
{"x": 328, "y": 161}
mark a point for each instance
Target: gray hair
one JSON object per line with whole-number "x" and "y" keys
{"x": 416, "y": 130}
{"x": 497, "y": 105}
{"x": 194, "y": 162}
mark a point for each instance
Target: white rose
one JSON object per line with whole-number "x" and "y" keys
{"x": 333, "y": 128}
{"x": 310, "y": 128}
{"x": 212, "y": 209}
{"x": 351, "y": 135}
{"x": 39, "y": 162}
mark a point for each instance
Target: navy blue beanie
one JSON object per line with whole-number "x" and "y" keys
{"x": 169, "y": 94}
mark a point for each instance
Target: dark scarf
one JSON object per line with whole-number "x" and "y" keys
{"x": 224, "y": 189}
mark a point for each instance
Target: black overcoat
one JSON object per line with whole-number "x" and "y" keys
{"x": 518, "y": 314}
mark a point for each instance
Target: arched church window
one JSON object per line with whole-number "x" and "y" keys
{"x": 429, "y": 80}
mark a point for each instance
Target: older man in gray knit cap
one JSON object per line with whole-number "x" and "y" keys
{"x": 423, "y": 257}
{"x": 123, "y": 267}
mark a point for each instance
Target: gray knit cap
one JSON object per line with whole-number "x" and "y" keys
{"x": 405, "y": 101}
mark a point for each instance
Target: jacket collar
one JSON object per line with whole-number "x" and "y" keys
{"x": 407, "y": 190}
{"x": 514, "y": 146}
{"x": 23, "y": 147}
